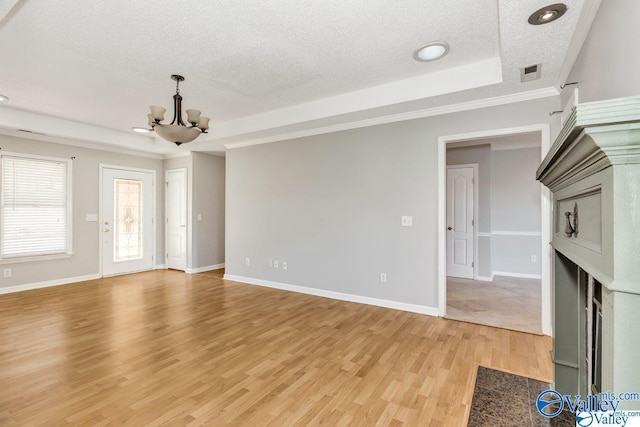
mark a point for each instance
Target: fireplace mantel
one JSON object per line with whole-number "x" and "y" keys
{"x": 593, "y": 170}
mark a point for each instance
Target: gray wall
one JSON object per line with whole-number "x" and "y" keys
{"x": 608, "y": 63}
{"x": 515, "y": 208}
{"x": 330, "y": 205}
{"x": 480, "y": 154}
{"x": 208, "y": 201}
{"x": 85, "y": 194}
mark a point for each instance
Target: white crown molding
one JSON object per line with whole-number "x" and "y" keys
{"x": 49, "y": 283}
{"x": 203, "y": 269}
{"x": 177, "y": 155}
{"x": 396, "y": 305}
{"x": 589, "y": 12}
{"x": 436, "y": 111}
{"x": 78, "y": 143}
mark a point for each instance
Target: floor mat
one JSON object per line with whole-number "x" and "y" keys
{"x": 503, "y": 399}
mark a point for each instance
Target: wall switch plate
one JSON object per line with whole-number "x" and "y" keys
{"x": 534, "y": 258}
{"x": 407, "y": 221}
{"x": 247, "y": 261}
{"x": 91, "y": 217}
{"x": 199, "y": 217}
{"x": 383, "y": 277}
{"x": 271, "y": 263}
{"x": 275, "y": 263}
{"x": 284, "y": 265}
{"x": 6, "y": 272}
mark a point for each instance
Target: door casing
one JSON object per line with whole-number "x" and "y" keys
{"x": 101, "y": 168}
{"x": 186, "y": 217}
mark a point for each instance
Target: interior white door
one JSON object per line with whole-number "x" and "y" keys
{"x": 176, "y": 222}
{"x": 127, "y": 221}
{"x": 460, "y": 236}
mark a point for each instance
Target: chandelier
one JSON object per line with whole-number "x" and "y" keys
{"x": 178, "y": 131}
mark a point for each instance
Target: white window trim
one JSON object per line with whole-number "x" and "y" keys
{"x": 30, "y": 258}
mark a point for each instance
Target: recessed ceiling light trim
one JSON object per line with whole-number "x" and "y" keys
{"x": 3, "y": 98}
{"x": 431, "y": 51}
{"x": 141, "y": 130}
{"x": 547, "y": 14}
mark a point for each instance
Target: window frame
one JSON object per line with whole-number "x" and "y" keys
{"x": 69, "y": 208}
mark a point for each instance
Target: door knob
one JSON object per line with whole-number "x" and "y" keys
{"x": 449, "y": 228}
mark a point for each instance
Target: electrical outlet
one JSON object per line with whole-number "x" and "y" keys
{"x": 383, "y": 277}
{"x": 271, "y": 263}
{"x": 284, "y": 265}
{"x": 534, "y": 258}
{"x": 275, "y": 263}
{"x": 6, "y": 272}
{"x": 406, "y": 221}
{"x": 247, "y": 261}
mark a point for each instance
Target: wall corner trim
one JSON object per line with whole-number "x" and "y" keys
{"x": 396, "y": 305}
{"x": 203, "y": 269}
{"x": 49, "y": 283}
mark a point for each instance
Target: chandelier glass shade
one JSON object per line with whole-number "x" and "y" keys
{"x": 178, "y": 131}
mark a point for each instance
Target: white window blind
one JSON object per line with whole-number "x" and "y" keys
{"x": 35, "y": 207}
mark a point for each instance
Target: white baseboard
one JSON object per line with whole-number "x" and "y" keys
{"x": 485, "y": 279}
{"x": 160, "y": 267}
{"x": 203, "y": 269}
{"x": 413, "y": 308}
{"x": 520, "y": 275}
{"x": 48, "y": 284}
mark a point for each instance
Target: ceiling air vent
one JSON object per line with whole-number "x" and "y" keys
{"x": 532, "y": 72}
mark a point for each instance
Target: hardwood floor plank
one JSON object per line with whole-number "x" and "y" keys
{"x": 164, "y": 347}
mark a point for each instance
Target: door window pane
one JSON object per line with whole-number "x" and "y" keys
{"x": 128, "y": 220}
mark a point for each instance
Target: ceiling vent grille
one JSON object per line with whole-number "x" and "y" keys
{"x": 530, "y": 72}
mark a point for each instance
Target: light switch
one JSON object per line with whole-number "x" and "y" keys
{"x": 91, "y": 217}
{"x": 407, "y": 221}
{"x": 199, "y": 217}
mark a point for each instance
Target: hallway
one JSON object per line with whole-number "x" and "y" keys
{"x": 507, "y": 302}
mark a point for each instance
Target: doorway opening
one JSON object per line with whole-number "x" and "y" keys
{"x": 494, "y": 256}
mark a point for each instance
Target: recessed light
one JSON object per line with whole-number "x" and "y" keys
{"x": 141, "y": 130}
{"x": 3, "y": 98}
{"x": 547, "y": 14}
{"x": 431, "y": 51}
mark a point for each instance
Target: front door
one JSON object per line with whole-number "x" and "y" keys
{"x": 127, "y": 221}
{"x": 460, "y": 253}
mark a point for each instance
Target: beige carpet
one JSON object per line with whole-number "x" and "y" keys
{"x": 507, "y": 302}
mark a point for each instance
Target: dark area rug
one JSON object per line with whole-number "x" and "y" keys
{"x": 503, "y": 399}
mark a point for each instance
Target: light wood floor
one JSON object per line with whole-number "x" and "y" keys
{"x": 507, "y": 302}
{"x": 165, "y": 347}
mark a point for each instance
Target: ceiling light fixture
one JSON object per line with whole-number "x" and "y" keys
{"x": 547, "y": 14}
{"x": 3, "y": 98}
{"x": 177, "y": 131}
{"x": 431, "y": 51}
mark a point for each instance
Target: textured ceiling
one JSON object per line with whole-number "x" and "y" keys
{"x": 258, "y": 68}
